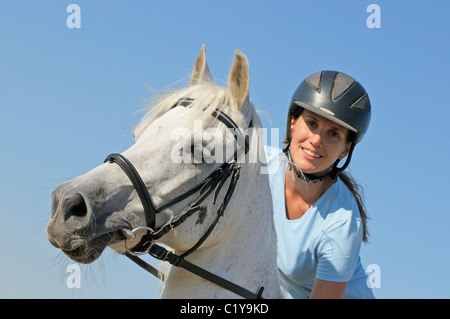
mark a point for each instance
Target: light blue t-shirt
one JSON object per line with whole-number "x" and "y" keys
{"x": 324, "y": 243}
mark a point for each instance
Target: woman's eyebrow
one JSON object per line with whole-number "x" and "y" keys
{"x": 312, "y": 117}
{"x": 337, "y": 128}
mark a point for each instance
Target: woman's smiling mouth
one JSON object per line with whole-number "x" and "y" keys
{"x": 310, "y": 154}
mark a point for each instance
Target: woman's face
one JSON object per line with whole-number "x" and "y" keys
{"x": 317, "y": 142}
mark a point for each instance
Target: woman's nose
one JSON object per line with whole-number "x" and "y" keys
{"x": 316, "y": 138}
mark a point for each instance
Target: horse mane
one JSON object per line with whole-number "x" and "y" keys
{"x": 206, "y": 98}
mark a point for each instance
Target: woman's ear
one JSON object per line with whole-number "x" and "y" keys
{"x": 345, "y": 152}
{"x": 291, "y": 130}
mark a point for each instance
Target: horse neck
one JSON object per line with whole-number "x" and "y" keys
{"x": 246, "y": 257}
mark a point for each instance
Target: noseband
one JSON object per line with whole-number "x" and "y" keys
{"x": 212, "y": 183}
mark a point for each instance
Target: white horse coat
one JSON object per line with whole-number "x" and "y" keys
{"x": 176, "y": 149}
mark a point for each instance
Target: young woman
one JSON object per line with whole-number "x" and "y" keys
{"x": 319, "y": 215}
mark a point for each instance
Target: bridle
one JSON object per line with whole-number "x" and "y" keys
{"x": 213, "y": 183}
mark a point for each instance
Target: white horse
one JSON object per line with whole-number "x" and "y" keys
{"x": 176, "y": 148}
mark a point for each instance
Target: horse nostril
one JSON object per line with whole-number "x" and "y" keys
{"x": 76, "y": 206}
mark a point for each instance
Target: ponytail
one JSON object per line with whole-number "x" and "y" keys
{"x": 358, "y": 193}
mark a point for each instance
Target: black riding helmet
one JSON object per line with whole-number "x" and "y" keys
{"x": 337, "y": 97}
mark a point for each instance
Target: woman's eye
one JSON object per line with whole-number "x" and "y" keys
{"x": 335, "y": 134}
{"x": 310, "y": 123}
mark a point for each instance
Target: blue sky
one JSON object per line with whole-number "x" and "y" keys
{"x": 68, "y": 98}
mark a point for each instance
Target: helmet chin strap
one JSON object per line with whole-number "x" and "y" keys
{"x": 311, "y": 178}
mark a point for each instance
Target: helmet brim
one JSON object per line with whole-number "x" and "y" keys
{"x": 326, "y": 114}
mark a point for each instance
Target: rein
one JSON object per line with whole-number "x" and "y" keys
{"x": 213, "y": 183}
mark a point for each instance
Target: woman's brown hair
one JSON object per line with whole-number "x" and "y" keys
{"x": 357, "y": 192}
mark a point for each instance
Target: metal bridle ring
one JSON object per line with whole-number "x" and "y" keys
{"x": 131, "y": 235}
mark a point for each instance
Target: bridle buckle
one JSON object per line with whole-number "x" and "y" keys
{"x": 130, "y": 235}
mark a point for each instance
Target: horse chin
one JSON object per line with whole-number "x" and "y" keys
{"x": 91, "y": 250}
{"x": 84, "y": 256}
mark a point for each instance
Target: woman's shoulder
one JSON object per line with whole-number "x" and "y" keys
{"x": 338, "y": 204}
{"x": 345, "y": 197}
{"x": 340, "y": 209}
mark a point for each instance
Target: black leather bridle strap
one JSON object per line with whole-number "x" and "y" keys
{"x": 225, "y": 119}
{"x": 203, "y": 187}
{"x": 221, "y": 210}
{"x": 155, "y": 272}
{"x": 163, "y": 254}
{"x": 146, "y": 200}
{"x": 214, "y": 182}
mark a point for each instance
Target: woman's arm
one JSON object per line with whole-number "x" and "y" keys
{"x": 328, "y": 290}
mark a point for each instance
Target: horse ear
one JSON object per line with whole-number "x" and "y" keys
{"x": 201, "y": 73}
{"x": 239, "y": 78}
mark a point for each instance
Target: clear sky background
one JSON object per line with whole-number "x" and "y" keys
{"x": 68, "y": 98}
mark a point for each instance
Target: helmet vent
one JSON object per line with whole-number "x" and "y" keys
{"x": 314, "y": 80}
{"x": 362, "y": 104}
{"x": 342, "y": 82}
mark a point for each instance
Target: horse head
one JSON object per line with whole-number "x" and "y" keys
{"x": 190, "y": 149}
{"x": 175, "y": 148}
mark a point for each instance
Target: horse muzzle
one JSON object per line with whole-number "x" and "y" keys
{"x": 72, "y": 227}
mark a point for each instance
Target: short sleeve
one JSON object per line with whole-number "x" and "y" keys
{"x": 338, "y": 250}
